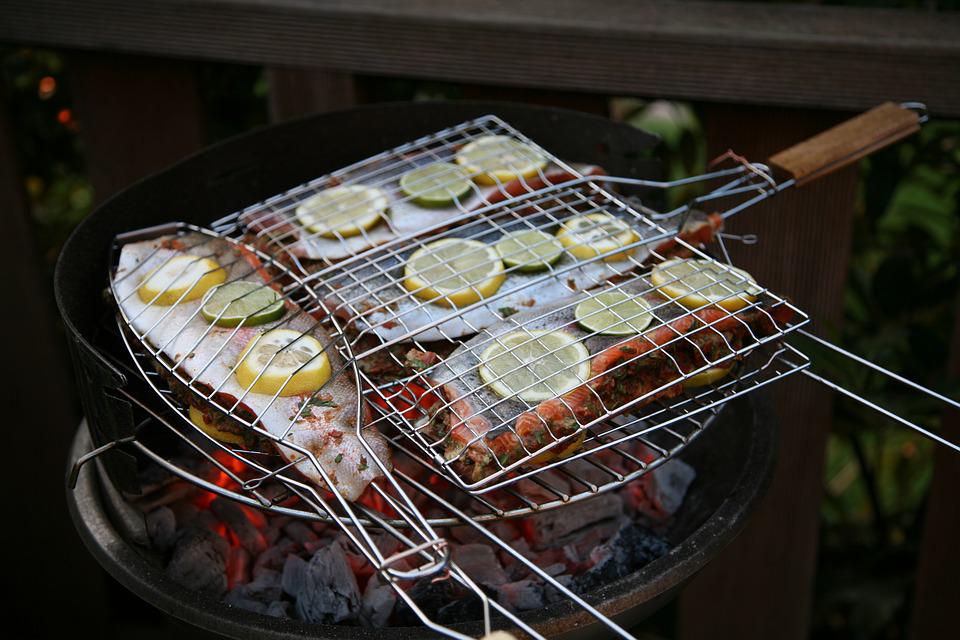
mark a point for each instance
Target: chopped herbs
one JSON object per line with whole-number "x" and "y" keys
{"x": 506, "y": 312}
{"x": 339, "y": 458}
{"x": 363, "y": 464}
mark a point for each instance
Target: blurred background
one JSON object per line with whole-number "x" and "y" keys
{"x": 899, "y": 303}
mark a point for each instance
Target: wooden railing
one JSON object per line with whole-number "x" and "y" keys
{"x": 765, "y": 76}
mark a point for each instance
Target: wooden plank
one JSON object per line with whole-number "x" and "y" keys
{"x": 41, "y": 418}
{"x": 136, "y": 115}
{"x": 783, "y": 54}
{"x": 937, "y": 589}
{"x": 300, "y": 92}
{"x": 760, "y": 587}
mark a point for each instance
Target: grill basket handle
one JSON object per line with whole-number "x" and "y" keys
{"x": 848, "y": 142}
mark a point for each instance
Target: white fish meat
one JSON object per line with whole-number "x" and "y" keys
{"x": 202, "y": 354}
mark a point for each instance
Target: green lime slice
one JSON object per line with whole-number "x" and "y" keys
{"x": 614, "y": 313}
{"x": 534, "y": 365}
{"x": 242, "y": 301}
{"x": 529, "y": 250}
{"x": 435, "y": 185}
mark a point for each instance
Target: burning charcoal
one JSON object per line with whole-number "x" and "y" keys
{"x": 632, "y": 548}
{"x": 522, "y": 595}
{"x": 555, "y": 569}
{"x": 480, "y": 563}
{"x": 466, "y": 535}
{"x": 199, "y": 561}
{"x": 234, "y": 517}
{"x": 294, "y": 575}
{"x": 265, "y": 587}
{"x": 429, "y": 596}
{"x": 278, "y": 609}
{"x": 238, "y": 567}
{"x": 300, "y": 532}
{"x": 551, "y": 594}
{"x": 273, "y": 558}
{"x": 466, "y": 608}
{"x": 162, "y": 528}
{"x": 330, "y": 593}
{"x": 561, "y": 526}
{"x": 378, "y": 602}
{"x": 238, "y": 598}
{"x": 671, "y": 483}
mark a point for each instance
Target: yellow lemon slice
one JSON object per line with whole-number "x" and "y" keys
{"x": 342, "y": 212}
{"x": 534, "y": 365}
{"x": 704, "y": 378}
{"x": 183, "y": 275}
{"x": 597, "y": 234}
{"x": 454, "y": 272}
{"x": 493, "y": 159}
{"x": 286, "y": 361}
{"x": 565, "y": 451}
{"x": 201, "y": 422}
{"x": 696, "y": 283}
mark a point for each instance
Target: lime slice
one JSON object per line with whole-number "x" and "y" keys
{"x": 529, "y": 250}
{"x": 454, "y": 272}
{"x": 246, "y": 302}
{"x": 614, "y": 313}
{"x": 286, "y": 361}
{"x": 342, "y": 212}
{"x": 534, "y": 365}
{"x": 180, "y": 279}
{"x": 496, "y": 159}
{"x": 435, "y": 185}
{"x": 696, "y": 283}
{"x": 597, "y": 234}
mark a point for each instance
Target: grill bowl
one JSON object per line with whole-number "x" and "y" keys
{"x": 733, "y": 458}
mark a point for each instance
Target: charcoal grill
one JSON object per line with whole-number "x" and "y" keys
{"x": 122, "y": 384}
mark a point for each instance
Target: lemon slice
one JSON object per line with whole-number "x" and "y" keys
{"x": 246, "y": 302}
{"x": 597, "y": 234}
{"x": 342, "y": 212}
{"x": 208, "y": 427}
{"x": 696, "y": 283}
{"x": 614, "y": 313}
{"x": 704, "y": 378}
{"x": 534, "y": 365}
{"x": 493, "y": 159}
{"x": 529, "y": 250}
{"x": 183, "y": 275}
{"x": 565, "y": 451}
{"x": 300, "y": 365}
{"x": 435, "y": 185}
{"x": 454, "y": 272}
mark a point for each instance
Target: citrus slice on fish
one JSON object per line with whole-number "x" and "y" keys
{"x": 180, "y": 279}
{"x": 247, "y": 302}
{"x": 454, "y": 272}
{"x": 697, "y": 283}
{"x": 344, "y": 211}
{"x": 529, "y": 250}
{"x": 711, "y": 375}
{"x": 283, "y": 361}
{"x": 597, "y": 234}
{"x": 614, "y": 313}
{"x": 497, "y": 159}
{"x": 435, "y": 185}
{"x": 534, "y": 365}
{"x": 211, "y": 429}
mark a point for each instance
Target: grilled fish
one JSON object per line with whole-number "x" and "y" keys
{"x": 204, "y": 355}
{"x": 481, "y": 433}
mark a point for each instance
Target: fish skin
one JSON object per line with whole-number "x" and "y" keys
{"x": 395, "y": 314}
{"x": 406, "y": 218}
{"x": 207, "y": 353}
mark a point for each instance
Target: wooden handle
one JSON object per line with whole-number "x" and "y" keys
{"x": 846, "y": 143}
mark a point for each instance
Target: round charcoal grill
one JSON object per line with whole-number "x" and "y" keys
{"x": 733, "y": 459}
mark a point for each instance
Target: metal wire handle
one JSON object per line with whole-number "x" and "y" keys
{"x": 873, "y": 405}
